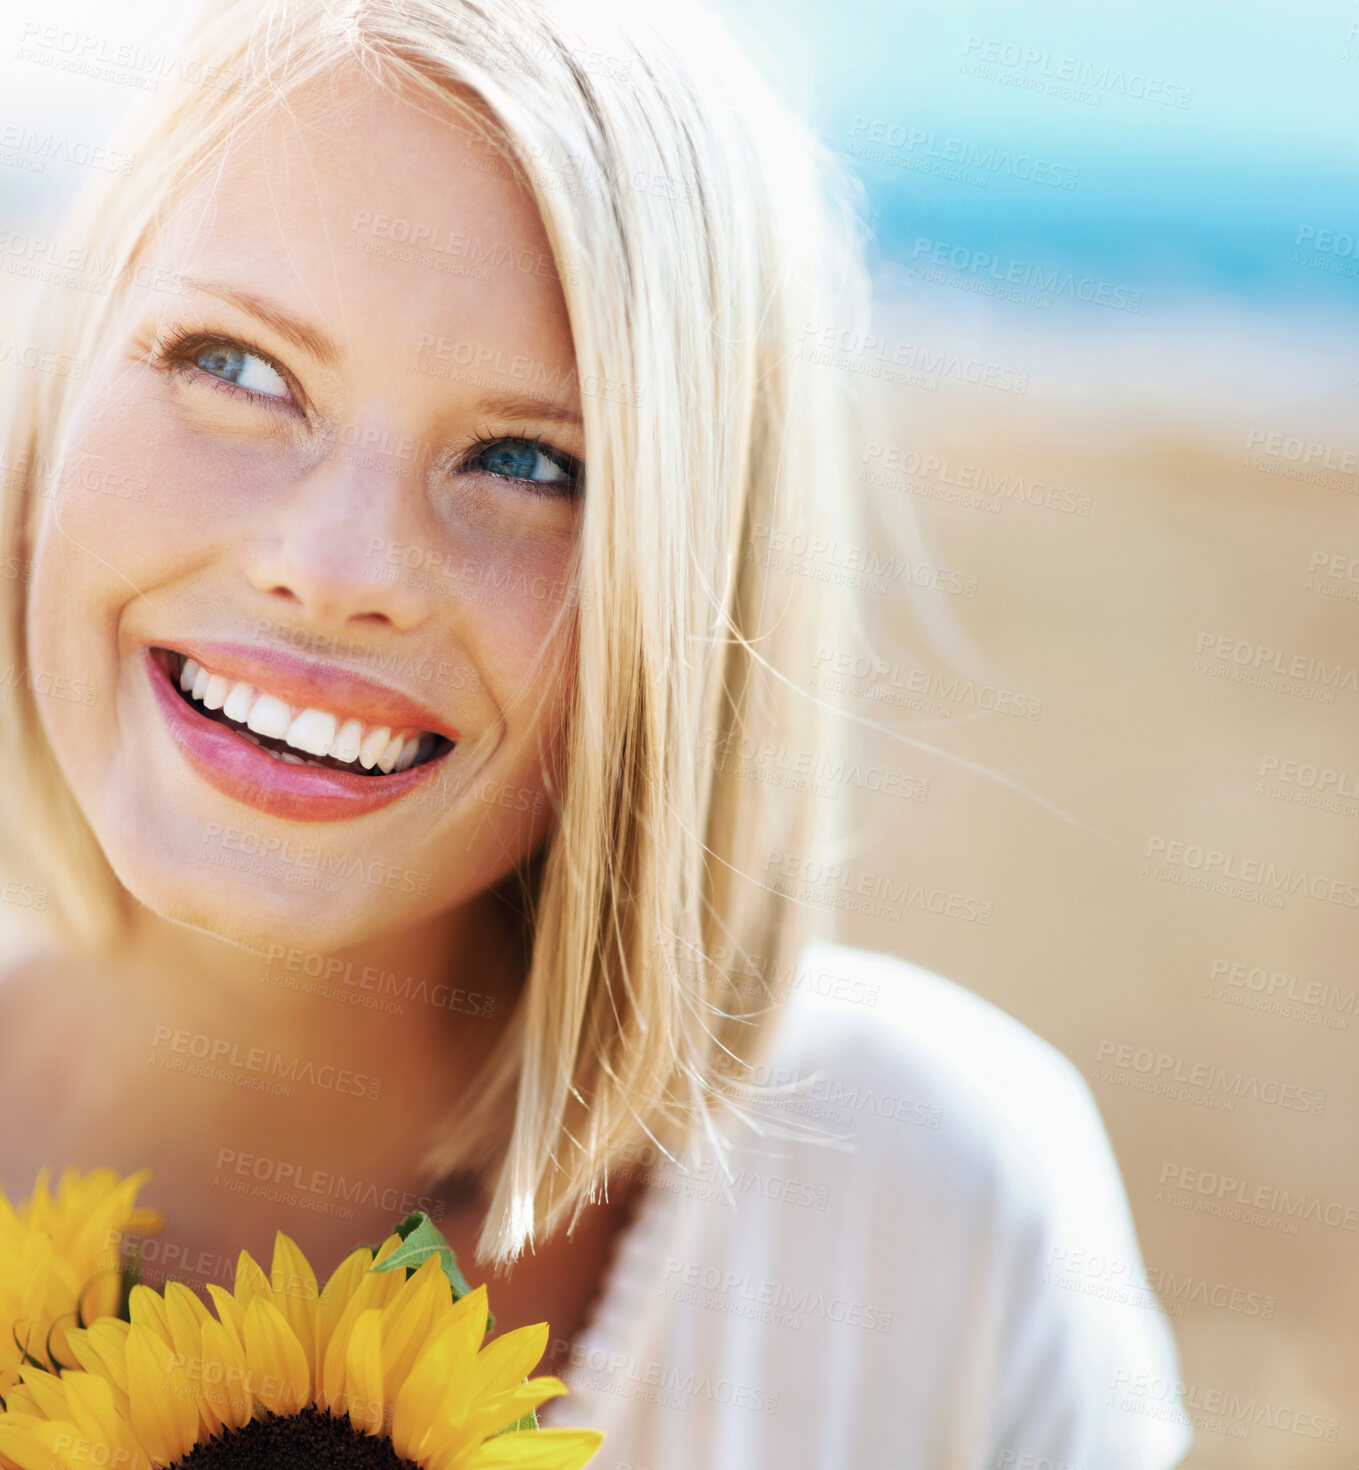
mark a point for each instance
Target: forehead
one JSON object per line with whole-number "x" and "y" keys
{"x": 382, "y": 217}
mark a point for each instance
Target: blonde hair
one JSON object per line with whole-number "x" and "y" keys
{"x": 703, "y": 238}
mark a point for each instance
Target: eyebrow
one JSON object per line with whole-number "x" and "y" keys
{"x": 299, "y": 333}
{"x": 527, "y": 406}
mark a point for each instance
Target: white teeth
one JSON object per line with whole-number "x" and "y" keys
{"x": 348, "y": 739}
{"x": 270, "y": 716}
{"x": 408, "y": 752}
{"x": 238, "y": 702}
{"x": 312, "y": 731}
{"x": 388, "y": 759}
{"x": 315, "y": 732}
{"x": 374, "y": 743}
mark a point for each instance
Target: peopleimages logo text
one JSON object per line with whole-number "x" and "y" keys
{"x": 1213, "y": 861}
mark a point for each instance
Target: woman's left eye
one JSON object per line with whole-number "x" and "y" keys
{"x": 246, "y": 370}
{"x": 523, "y": 459}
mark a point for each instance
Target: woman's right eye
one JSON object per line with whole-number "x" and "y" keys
{"x": 233, "y": 366}
{"x": 233, "y": 363}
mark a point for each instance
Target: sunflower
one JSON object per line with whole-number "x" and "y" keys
{"x": 59, "y": 1261}
{"x": 381, "y": 1368}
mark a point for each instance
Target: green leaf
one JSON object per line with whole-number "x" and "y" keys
{"x": 420, "y": 1239}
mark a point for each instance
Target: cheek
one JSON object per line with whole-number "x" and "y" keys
{"x": 521, "y": 620}
{"x": 506, "y": 569}
{"x": 101, "y": 534}
{"x": 137, "y": 498}
{"x": 136, "y": 504}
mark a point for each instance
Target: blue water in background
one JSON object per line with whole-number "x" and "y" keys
{"x": 1227, "y": 198}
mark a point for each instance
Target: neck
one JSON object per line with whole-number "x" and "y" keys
{"x": 365, "y": 1052}
{"x": 405, "y": 993}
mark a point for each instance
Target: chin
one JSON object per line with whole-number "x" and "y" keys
{"x": 265, "y": 916}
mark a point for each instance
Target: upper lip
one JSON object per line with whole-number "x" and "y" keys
{"x": 306, "y": 683}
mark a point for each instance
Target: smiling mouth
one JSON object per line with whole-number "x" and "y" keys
{"x": 295, "y": 735}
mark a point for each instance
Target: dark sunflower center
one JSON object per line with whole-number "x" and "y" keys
{"x": 310, "y": 1440}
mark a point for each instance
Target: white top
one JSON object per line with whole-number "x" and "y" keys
{"x": 921, "y": 1296}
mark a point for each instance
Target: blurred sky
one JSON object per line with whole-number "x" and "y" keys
{"x": 1211, "y": 199}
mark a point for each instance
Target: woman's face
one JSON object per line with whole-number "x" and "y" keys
{"x": 328, "y": 454}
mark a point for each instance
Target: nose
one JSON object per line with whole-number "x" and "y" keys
{"x": 339, "y": 550}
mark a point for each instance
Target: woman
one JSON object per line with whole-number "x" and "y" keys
{"x": 413, "y": 556}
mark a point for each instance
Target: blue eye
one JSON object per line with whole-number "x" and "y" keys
{"x": 232, "y": 364}
{"x": 526, "y": 459}
{"x": 247, "y": 370}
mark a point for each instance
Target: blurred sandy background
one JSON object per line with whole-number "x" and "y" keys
{"x": 1169, "y": 502}
{"x": 1099, "y": 618}
{"x": 1118, "y": 292}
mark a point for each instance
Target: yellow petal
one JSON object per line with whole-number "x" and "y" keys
{"x": 47, "y": 1392}
{"x": 392, "y": 1243}
{"x": 375, "y": 1289}
{"x": 144, "y": 1220}
{"x": 498, "y": 1412}
{"x": 510, "y": 1358}
{"x": 363, "y": 1374}
{"x": 11, "y": 1227}
{"x": 335, "y": 1297}
{"x": 147, "y": 1310}
{"x": 541, "y": 1449}
{"x": 102, "y": 1349}
{"x": 279, "y": 1377}
{"x": 26, "y": 1444}
{"x": 250, "y": 1280}
{"x": 186, "y": 1316}
{"x": 39, "y": 1210}
{"x": 438, "y": 1392}
{"x": 226, "y": 1378}
{"x": 163, "y": 1412}
{"x": 295, "y": 1294}
{"x": 408, "y": 1321}
{"x": 101, "y": 1296}
{"x": 96, "y": 1213}
{"x": 18, "y": 1400}
{"x": 30, "y": 1282}
{"x": 97, "y": 1415}
{"x": 230, "y": 1311}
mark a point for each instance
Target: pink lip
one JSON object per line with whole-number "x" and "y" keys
{"x": 249, "y": 775}
{"x": 300, "y": 682}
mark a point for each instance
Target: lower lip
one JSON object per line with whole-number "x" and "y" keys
{"x": 248, "y": 774}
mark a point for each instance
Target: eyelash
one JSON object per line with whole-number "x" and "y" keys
{"x": 176, "y": 352}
